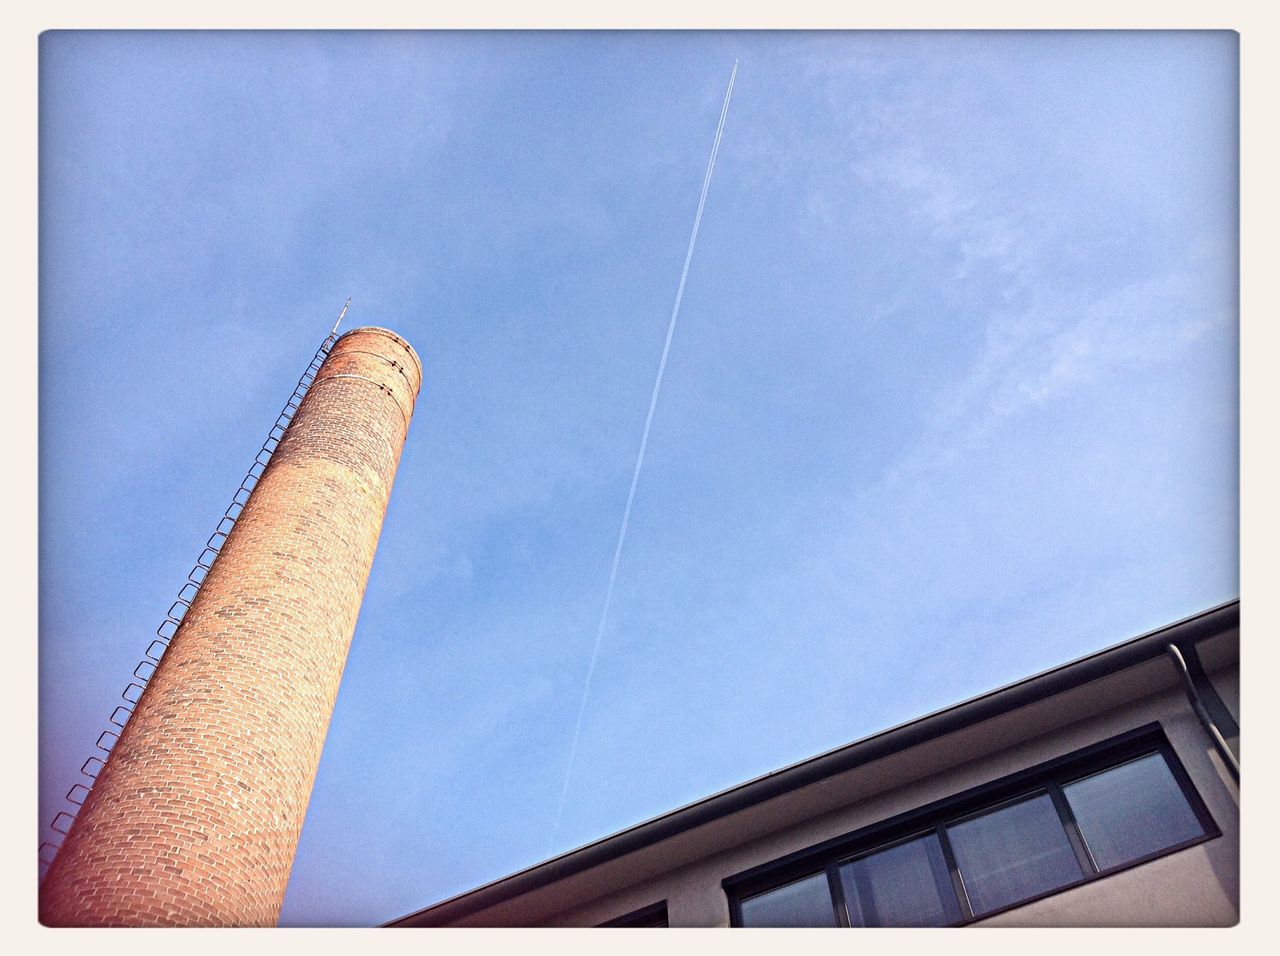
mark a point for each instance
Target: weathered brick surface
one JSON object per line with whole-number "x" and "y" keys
{"x": 196, "y": 816}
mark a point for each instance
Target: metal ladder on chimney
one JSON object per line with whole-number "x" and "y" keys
{"x": 60, "y": 826}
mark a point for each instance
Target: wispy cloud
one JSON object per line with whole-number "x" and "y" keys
{"x": 1043, "y": 340}
{"x": 979, "y": 235}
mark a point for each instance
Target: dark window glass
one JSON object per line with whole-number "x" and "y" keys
{"x": 1013, "y": 854}
{"x": 805, "y": 902}
{"x": 905, "y": 885}
{"x": 1131, "y": 810}
{"x": 655, "y": 915}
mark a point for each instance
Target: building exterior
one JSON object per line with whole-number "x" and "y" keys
{"x": 1100, "y": 793}
{"x": 195, "y": 817}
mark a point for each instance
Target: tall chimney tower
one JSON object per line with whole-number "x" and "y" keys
{"x": 195, "y": 818}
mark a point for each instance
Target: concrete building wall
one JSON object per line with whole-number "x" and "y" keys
{"x": 195, "y": 818}
{"x": 1197, "y": 886}
{"x": 1220, "y": 656}
{"x": 1226, "y": 681}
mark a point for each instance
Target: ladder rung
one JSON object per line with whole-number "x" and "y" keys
{"x": 78, "y": 794}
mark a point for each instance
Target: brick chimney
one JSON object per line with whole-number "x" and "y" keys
{"x": 195, "y": 818}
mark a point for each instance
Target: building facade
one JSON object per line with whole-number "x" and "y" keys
{"x": 1104, "y": 792}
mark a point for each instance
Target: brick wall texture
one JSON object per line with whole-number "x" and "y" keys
{"x": 195, "y": 818}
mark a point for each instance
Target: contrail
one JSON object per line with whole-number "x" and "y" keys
{"x": 644, "y": 442}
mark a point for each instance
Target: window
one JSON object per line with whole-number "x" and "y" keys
{"x": 1013, "y": 854}
{"x": 649, "y": 916}
{"x": 1131, "y": 811}
{"x": 904, "y": 885}
{"x": 805, "y": 902}
{"x": 1066, "y": 822}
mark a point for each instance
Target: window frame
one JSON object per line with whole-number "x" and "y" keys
{"x": 646, "y": 917}
{"x": 1047, "y": 777}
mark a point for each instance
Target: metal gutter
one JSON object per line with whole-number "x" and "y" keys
{"x": 1205, "y": 720}
{"x": 1145, "y": 647}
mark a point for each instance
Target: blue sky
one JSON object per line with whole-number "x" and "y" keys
{"x": 952, "y": 398}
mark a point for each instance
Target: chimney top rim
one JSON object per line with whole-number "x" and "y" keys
{"x": 379, "y": 330}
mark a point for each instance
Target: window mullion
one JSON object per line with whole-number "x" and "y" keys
{"x": 1083, "y": 855}
{"x": 837, "y": 894}
{"x": 957, "y": 881}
